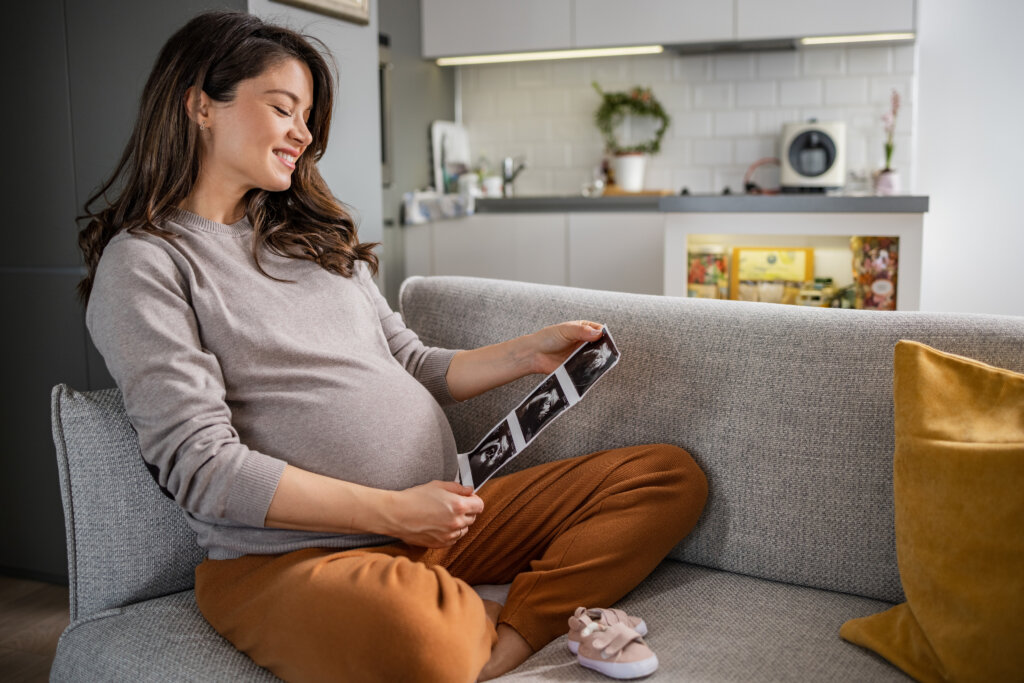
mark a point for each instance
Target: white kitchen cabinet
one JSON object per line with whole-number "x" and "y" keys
{"x": 766, "y": 19}
{"x": 604, "y": 23}
{"x": 470, "y": 27}
{"x": 622, "y": 252}
{"x": 524, "y": 247}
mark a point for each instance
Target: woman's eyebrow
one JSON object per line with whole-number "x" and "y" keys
{"x": 287, "y": 93}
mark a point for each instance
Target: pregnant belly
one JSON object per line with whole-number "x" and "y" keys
{"x": 392, "y": 437}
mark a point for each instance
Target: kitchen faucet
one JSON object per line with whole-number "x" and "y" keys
{"x": 510, "y": 168}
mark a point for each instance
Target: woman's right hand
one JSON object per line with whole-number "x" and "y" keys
{"x": 434, "y": 515}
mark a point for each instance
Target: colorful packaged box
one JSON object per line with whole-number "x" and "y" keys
{"x": 707, "y": 272}
{"x": 875, "y": 270}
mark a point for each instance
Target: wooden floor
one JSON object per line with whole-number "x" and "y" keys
{"x": 32, "y": 616}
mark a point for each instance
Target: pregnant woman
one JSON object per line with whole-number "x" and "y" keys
{"x": 297, "y": 421}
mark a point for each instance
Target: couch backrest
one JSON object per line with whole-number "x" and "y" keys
{"x": 126, "y": 540}
{"x": 788, "y": 410}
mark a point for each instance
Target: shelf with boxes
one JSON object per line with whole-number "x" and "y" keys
{"x": 854, "y": 260}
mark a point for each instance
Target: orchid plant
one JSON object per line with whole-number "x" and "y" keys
{"x": 889, "y": 122}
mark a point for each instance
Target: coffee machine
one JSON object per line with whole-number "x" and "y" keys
{"x": 813, "y": 156}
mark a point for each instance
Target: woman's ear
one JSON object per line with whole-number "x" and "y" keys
{"x": 198, "y": 108}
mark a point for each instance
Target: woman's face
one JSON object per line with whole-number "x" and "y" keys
{"x": 254, "y": 140}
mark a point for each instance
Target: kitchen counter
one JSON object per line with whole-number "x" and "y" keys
{"x": 641, "y": 243}
{"x": 782, "y": 203}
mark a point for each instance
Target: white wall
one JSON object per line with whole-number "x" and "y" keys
{"x": 421, "y": 92}
{"x": 351, "y": 165}
{"x": 727, "y": 111}
{"x": 969, "y": 154}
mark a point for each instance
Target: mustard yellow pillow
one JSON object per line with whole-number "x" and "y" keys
{"x": 958, "y": 483}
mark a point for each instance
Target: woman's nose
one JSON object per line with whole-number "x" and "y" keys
{"x": 301, "y": 134}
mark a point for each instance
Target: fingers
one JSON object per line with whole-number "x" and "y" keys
{"x": 455, "y": 487}
{"x": 585, "y": 330}
{"x": 467, "y": 504}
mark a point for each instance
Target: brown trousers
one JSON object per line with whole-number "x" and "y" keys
{"x": 580, "y": 531}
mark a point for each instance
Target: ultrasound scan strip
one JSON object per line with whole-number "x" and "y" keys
{"x": 559, "y": 391}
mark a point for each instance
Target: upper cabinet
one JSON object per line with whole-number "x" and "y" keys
{"x": 607, "y": 23}
{"x": 473, "y": 27}
{"x": 766, "y": 19}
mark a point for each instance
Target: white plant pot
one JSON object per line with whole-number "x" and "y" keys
{"x": 887, "y": 182}
{"x": 629, "y": 171}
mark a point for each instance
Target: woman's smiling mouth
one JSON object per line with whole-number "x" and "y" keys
{"x": 288, "y": 159}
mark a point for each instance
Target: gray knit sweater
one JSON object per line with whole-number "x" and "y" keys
{"x": 228, "y": 375}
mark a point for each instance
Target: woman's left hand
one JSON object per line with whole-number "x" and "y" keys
{"x": 553, "y": 344}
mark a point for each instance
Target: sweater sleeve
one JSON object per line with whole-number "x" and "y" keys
{"x": 428, "y": 364}
{"x": 141, "y": 320}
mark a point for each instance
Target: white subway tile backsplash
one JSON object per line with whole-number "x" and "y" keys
{"x": 533, "y": 182}
{"x": 530, "y": 129}
{"x": 778, "y": 64}
{"x": 733, "y": 67}
{"x": 770, "y": 121}
{"x": 691, "y": 69}
{"x": 547, "y": 102}
{"x": 488, "y": 129}
{"x": 882, "y": 87}
{"x": 824, "y": 61}
{"x": 580, "y": 130}
{"x": 691, "y": 124}
{"x": 514, "y": 103}
{"x": 569, "y": 72}
{"x": 676, "y": 151}
{"x": 648, "y": 70}
{"x": 822, "y": 114}
{"x": 611, "y": 73}
{"x": 712, "y": 96}
{"x": 756, "y": 94}
{"x": 712, "y": 152}
{"x": 568, "y": 181}
{"x": 488, "y": 76}
{"x": 585, "y": 155}
{"x": 694, "y": 179}
{"x": 583, "y": 101}
{"x": 846, "y": 90}
{"x": 868, "y": 60}
{"x": 904, "y": 59}
{"x": 734, "y": 123}
{"x": 752, "y": 149}
{"x": 800, "y": 92}
{"x": 856, "y": 150}
{"x": 727, "y": 111}
{"x": 531, "y": 74}
{"x": 549, "y": 155}
{"x": 482, "y": 104}
{"x": 731, "y": 178}
{"x": 656, "y": 178}
{"x": 673, "y": 96}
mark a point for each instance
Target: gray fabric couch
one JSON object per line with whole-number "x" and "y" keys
{"x": 787, "y": 409}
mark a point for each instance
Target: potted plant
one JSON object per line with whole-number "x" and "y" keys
{"x": 629, "y": 159}
{"x": 887, "y": 181}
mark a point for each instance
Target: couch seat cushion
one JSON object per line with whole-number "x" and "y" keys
{"x": 705, "y": 625}
{"x": 164, "y": 639}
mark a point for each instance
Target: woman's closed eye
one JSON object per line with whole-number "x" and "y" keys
{"x": 281, "y": 110}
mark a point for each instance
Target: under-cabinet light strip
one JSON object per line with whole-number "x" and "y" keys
{"x": 866, "y": 38}
{"x": 551, "y": 54}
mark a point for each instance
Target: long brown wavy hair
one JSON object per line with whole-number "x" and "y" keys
{"x": 160, "y": 164}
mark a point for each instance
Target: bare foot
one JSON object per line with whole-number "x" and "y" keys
{"x": 510, "y": 651}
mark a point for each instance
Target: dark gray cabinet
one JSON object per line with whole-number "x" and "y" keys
{"x": 73, "y": 73}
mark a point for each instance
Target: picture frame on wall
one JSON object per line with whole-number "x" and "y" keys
{"x": 355, "y": 11}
